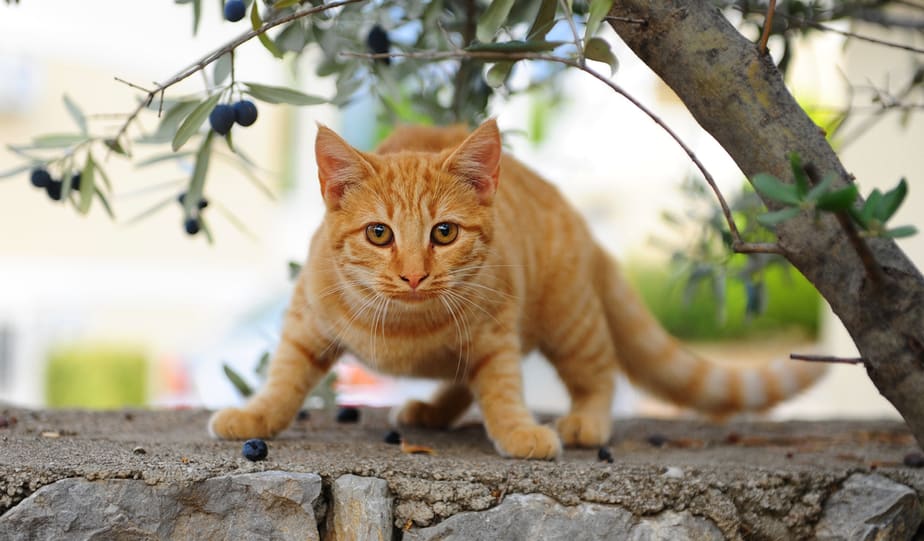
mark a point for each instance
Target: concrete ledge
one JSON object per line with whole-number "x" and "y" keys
{"x": 157, "y": 475}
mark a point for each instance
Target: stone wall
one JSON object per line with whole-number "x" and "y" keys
{"x": 290, "y": 506}
{"x": 155, "y": 475}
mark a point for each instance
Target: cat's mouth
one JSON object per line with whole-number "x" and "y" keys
{"x": 414, "y": 296}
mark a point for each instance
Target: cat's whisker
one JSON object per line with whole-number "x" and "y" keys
{"x": 483, "y": 266}
{"x": 377, "y": 317}
{"x": 367, "y": 302}
{"x": 455, "y": 322}
{"x": 466, "y": 329}
{"x": 486, "y": 295}
{"x": 483, "y": 290}
{"x": 458, "y": 330}
{"x": 462, "y": 333}
{"x": 386, "y": 303}
{"x": 340, "y": 286}
{"x": 459, "y": 297}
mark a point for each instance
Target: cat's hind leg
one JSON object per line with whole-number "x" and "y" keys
{"x": 585, "y": 359}
{"x": 447, "y": 404}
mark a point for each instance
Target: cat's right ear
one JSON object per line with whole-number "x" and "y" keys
{"x": 339, "y": 166}
{"x": 477, "y": 160}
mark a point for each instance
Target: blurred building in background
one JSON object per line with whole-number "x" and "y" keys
{"x": 146, "y": 290}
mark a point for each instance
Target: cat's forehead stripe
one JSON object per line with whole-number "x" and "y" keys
{"x": 414, "y": 189}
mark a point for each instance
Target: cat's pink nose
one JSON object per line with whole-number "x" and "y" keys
{"x": 414, "y": 280}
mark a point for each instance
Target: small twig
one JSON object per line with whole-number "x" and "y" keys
{"x": 133, "y": 85}
{"x": 768, "y": 26}
{"x": 873, "y": 270}
{"x": 847, "y": 33}
{"x": 569, "y": 16}
{"x": 499, "y": 56}
{"x": 876, "y": 116}
{"x": 859, "y": 245}
{"x": 160, "y": 106}
{"x": 742, "y": 247}
{"x": 896, "y": 21}
{"x": 233, "y": 75}
{"x": 827, "y": 359}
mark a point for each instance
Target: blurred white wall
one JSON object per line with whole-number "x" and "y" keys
{"x": 65, "y": 277}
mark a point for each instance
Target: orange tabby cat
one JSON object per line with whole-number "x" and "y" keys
{"x": 441, "y": 257}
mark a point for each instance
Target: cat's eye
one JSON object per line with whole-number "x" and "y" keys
{"x": 444, "y": 233}
{"x": 379, "y": 234}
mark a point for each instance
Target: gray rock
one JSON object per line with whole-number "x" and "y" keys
{"x": 674, "y": 526}
{"x": 362, "y": 509}
{"x": 267, "y": 505}
{"x": 533, "y": 517}
{"x": 870, "y": 507}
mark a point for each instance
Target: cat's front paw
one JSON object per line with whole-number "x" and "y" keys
{"x": 584, "y": 429}
{"x": 531, "y": 441}
{"x": 416, "y": 413}
{"x": 238, "y": 424}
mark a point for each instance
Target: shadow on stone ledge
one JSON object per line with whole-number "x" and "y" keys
{"x": 157, "y": 475}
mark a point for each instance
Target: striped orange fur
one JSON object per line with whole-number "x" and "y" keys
{"x": 441, "y": 257}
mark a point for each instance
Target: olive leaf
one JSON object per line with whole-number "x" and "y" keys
{"x": 87, "y": 185}
{"x": 492, "y": 19}
{"x": 278, "y": 94}
{"x": 197, "y": 181}
{"x": 76, "y": 114}
{"x": 193, "y": 122}
{"x": 599, "y": 49}
{"x": 256, "y": 23}
{"x": 515, "y": 46}
{"x": 221, "y": 69}
{"x": 544, "y": 21}
{"x": 596, "y": 13}
{"x": 238, "y": 381}
{"x": 774, "y": 188}
{"x": 498, "y": 73}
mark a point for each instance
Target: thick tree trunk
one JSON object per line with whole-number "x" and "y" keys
{"x": 739, "y": 97}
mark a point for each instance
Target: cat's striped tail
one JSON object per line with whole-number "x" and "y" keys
{"x": 657, "y": 362}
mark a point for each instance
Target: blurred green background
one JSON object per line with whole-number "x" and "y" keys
{"x": 96, "y": 376}
{"x": 694, "y": 312}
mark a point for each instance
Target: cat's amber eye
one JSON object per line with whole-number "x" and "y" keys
{"x": 379, "y": 234}
{"x": 444, "y": 233}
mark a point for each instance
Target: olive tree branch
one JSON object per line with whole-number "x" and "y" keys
{"x": 738, "y": 244}
{"x": 203, "y": 62}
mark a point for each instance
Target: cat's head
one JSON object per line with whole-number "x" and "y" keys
{"x": 409, "y": 225}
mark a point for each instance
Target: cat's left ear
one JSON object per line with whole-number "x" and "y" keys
{"x": 339, "y": 166}
{"x": 477, "y": 160}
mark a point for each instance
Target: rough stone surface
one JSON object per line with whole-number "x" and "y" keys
{"x": 533, "y": 517}
{"x": 751, "y": 480}
{"x": 361, "y": 509}
{"x": 870, "y": 507}
{"x": 268, "y": 505}
{"x": 674, "y": 526}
